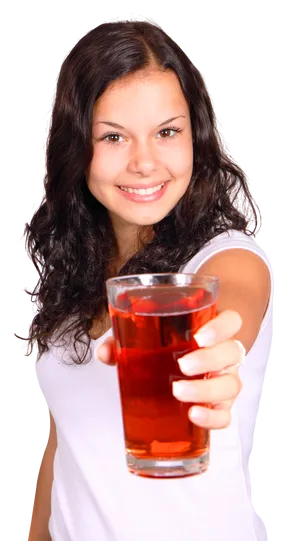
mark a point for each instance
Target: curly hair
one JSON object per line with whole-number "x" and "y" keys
{"x": 70, "y": 238}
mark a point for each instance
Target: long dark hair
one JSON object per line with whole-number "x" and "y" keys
{"x": 70, "y": 238}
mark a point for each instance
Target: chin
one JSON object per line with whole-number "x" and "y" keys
{"x": 146, "y": 219}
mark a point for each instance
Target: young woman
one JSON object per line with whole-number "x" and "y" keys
{"x": 138, "y": 181}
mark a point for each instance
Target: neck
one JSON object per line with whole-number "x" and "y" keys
{"x": 130, "y": 238}
{"x": 124, "y": 253}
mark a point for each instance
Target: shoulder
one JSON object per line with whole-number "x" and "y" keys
{"x": 245, "y": 275}
{"x": 232, "y": 252}
{"x": 228, "y": 240}
{"x": 239, "y": 269}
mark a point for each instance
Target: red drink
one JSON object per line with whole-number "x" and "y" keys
{"x": 153, "y": 327}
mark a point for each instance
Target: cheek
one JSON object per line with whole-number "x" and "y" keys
{"x": 104, "y": 167}
{"x": 181, "y": 164}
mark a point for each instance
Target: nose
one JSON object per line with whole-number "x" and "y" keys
{"x": 143, "y": 159}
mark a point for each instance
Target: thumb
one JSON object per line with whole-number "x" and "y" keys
{"x": 105, "y": 352}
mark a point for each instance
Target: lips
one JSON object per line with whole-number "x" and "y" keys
{"x": 143, "y": 186}
{"x": 144, "y": 198}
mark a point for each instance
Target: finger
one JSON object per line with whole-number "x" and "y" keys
{"x": 216, "y": 389}
{"x": 212, "y": 359}
{"x": 224, "y": 405}
{"x": 209, "y": 418}
{"x": 104, "y": 352}
{"x": 228, "y": 370}
{"x": 227, "y": 404}
{"x": 223, "y": 327}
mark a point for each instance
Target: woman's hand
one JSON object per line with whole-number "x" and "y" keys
{"x": 220, "y": 356}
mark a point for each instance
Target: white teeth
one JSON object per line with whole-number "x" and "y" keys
{"x": 142, "y": 191}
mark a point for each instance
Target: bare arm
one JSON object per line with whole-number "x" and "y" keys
{"x": 244, "y": 287}
{"x": 42, "y": 503}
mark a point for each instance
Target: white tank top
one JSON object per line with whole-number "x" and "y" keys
{"x": 94, "y": 498}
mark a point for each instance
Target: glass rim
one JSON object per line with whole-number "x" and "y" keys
{"x": 209, "y": 277}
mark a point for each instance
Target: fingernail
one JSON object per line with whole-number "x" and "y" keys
{"x": 102, "y": 353}
{"x": 180, "y": 389}
{"x": 205, "y": 337}
{"x": 242, "y": 350}
{"x": 197, "y": 413}
{"x": 188, "y": 365}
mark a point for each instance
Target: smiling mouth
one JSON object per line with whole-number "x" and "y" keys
{"x": 143, "y": 191}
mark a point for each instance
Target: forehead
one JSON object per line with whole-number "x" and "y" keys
{"x": 148, "y": 90}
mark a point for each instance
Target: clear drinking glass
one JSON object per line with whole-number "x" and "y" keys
{"x": 154, "y": 318}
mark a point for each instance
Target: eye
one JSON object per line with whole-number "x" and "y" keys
{"x": 108, "y": 136}
{"x": 114, "y": 142}
{"x": 171, "y": 128}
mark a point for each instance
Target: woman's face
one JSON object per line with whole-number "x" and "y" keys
{"x": 142, "y": 167}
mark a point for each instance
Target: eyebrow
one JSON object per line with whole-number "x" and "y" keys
{"x": 114, "y": 125}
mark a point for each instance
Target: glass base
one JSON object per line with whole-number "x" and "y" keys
{"x": 179, "y": 467}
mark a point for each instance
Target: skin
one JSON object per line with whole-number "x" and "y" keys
{"x": 143, "y": 152}
{"x": 140, "y": 103}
